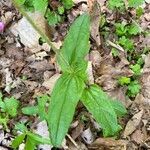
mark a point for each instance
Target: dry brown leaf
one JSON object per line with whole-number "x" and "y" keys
{"x": 108, "y": 144}
{"x": 95, "y": 21}
{"x": 137, "y": 137}
{"x": 49, "y": 84}
{"x": 133, "y": 123}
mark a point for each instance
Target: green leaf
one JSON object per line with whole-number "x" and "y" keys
{"x": 40, "y": 5}
{"x": 121, "y": 29}
{"x": 30, "y": 110}
{"x": 52, "y": 17}
{"x": 18, "y": 140}
{"x": 64, "y": 98}
{"x": 11, "y": 105}
{"x": 119, "y": 108}
{"x": 98, "y": 103}
{"x": 38, "y": 139}
{"x": 135, "y": 3}
{"x": 139, "y": 11}
{"x": 20, "y": 2}
{"x": 134, "y": 29}
{"x": 67, "y": 3}
{"x": 124, "y": 80}
{"x": 136, "y": 69}
{"x": 126, "y": 43}
{"x": 133, "y": 88}
{"x": 21, "y": 127}
{"x": 29, "y": 145}
{"x": 42, "y": 100}
{"x": 76, "y": 44}
{"x": 112, "y": 4}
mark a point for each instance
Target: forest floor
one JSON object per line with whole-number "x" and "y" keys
{"x": 119, "y": 62}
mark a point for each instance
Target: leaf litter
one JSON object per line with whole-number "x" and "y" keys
{"x": 37, "y": 69}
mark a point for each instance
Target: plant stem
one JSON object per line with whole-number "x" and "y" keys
{"x": 48, "y": 41}
{"x": 22, "y": 11}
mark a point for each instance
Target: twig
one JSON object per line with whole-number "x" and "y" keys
{"x": 72, "y": 140}
{"x": 115, "y": 46}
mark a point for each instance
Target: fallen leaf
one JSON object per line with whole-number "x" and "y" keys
{"x": 133, "y": 124}
{"x": 49, "y": 84}
{"x": 95, "y": 21}
{"x": 108, "y": 144}
{"x": 137, "y": 136}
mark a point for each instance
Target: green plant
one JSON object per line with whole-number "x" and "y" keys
{"x": 39, "y": 109}
{"x": 127, "y": 44}
{"x": 124, "y": 80}
{"x": 136, "y": 69}
{"x": 53, "y": 17}
{"x": 73, "y": 86}
{"x": 134, "y": 29}
{"x": 8, "y": 108}
{"x": 30, "y": 139}
{"x": 114, "y": 52}
{"x": 139, "y": 12}
{"x": 133, "y": 88}
{"x": 116, "y": 4}
{"x": 135, "y": 3}
{"x": 121, "y": 29}
{"x": 120, "y": 4}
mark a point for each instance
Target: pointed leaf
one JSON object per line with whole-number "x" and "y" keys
{"x": 64, "y": 99}
{"x": 120, "y": 110}
{"x": 11, "y": 105}
{"x": 76, "y": 44}
{"x": 30, "y": 110}
{"x": 38, "y": 139}
{"x": 30, "y": 145}
{"x": 97, "y": 102}
{"x": 18, "y": 140}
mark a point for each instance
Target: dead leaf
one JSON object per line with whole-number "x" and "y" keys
{"x": 108, "y": 144}
{"x": 133, "y": 124}
{"x": 137, "y": 137}
{"x": 90, "y": 73}
{"x": 77, "y": 131}
{"x": 41, "y": 66}
{"x": 49, "y": 84}
{"x": 95, "y": 12}
{"x": 95, "y": 57}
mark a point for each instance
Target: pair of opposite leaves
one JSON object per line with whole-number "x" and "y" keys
{"x": 71, "y": 87}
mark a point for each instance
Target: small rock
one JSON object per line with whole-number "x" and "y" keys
{"x": 42, "y": 129}
{"x": 28, "y": 35}
{"x": 87, "y": 136}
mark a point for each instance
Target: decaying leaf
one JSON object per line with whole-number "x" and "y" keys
{"x": 108, "y": 144}
{"x": 133, "y": 124}
{"x": 95, "y": 22}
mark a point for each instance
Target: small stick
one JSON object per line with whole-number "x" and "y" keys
{"x": 72, "y": 140}
{"x": 115, "y": 46}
